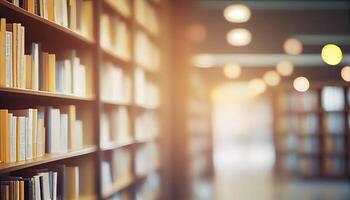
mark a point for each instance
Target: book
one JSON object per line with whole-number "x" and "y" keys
{"x": 21, "y": 138}
{"x": 53, "y": 139}
{"x": 2, "y": 52}
{"x": 9, "y": 59}
{"x": 72, "y": 182}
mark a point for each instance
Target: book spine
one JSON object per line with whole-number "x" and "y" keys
{"x": 9, "y": 59}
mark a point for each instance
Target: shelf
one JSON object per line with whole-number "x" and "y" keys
{"x": 116, "y": 145}
{"x": 144, "y": 107}
{"x": 28, "y": 92}
{"x": 118, "y": 186}
{"x": 113, "y": 10}
{"x": 5, "y": 168}
{"x": 152, "y": 36}
{"x": 17, "y": 14}
{"x": 115, "y": 103}
{"x": 113, "y": 57}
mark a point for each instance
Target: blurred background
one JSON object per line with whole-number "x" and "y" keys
{"x": 268, "y": 99}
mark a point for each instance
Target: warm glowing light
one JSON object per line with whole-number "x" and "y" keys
{"x": 239, "y": 37}
{"x": 272, "y": 78}
{"x": 237, "y": 13}
{"x": 331, "y": 54}
{"x": 345, "y": 73}
{"x": 293, "y": 46}
{"x": 232, "y": 70}
{"x": 285, "y": 68}
{"x": 204, "y": 61}
{"x": 301, "y": 84}
{"x": 257, "y": 85}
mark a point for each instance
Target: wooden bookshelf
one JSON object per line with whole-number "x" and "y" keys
{"x": 323, "y": 142}
{"x": 89, "y": 108}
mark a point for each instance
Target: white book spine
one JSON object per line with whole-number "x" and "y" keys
{"x": 64, "y": 132}
{"x": 54, "y": 186}
{"x": 9, "y": 59}
{"x": 13, "y": 139}
{"x": 75, "y": 76}
{"x": 22, "y": 138}
{"x": 68, "y": 76}
{"x": 78, "y": 135}
{"x": 39, "y": 143}
{"x": 54, "y": 131}
{"x": 64, "y": 13}
{"x": 29, "y": 136}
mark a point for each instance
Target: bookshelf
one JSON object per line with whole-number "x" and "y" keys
{"x": 130, "y": 109}
{"x": 312, "y": 132}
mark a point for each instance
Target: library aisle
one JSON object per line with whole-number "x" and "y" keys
{"x": 174, "y": 100}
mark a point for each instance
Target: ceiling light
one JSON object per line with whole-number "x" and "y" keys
{"x": 257, "y": 85}
{"x": 285, "y": 68}
{"x": 345, "y": 73}
{"x": 232, "y": 70}
{"x": 272, "y": 78}
{"x": 301, "y": 84}
{"x": 293, "y": 46}
{"x": 239, "y": 37}
{"x": 331, "y": 54}
{"x": 237, "y": 13}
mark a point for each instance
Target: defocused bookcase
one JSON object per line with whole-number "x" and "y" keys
{"x": 110, "y": 53}
{"x": 312, "y": 132}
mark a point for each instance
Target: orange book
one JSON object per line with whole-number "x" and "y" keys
{"x": 52, "y": 72}
{"x": 51, "y": 10}
{"x": 3, "y": 52}
{"x": 28, "y": 72}
{"x": 3, "y": 132}
{"x": 44, "y": 75}
{"x": 21, "y": 190}
{"x": 31, "y": 6}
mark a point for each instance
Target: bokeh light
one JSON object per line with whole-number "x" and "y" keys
{"x": 285, "y": 68}
{"x": 272, "y": 78}
{"x": 301, "y": 84}
{"x": 232, "y": 70}
{"x": 331, "y": 54}
{"x": 257, "y": 85}
{"x": 293, "y": 46}
{"x": 237, "y": 13}
{"x": 239, "y": 37}
{"x": 345, "y": 73}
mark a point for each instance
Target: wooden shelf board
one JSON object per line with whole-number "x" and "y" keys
{"x": 117, "y": 145}
{"x": 115, "y": 103}
{"x": 5, "y": 168}
{"x": 118, "y": 186}
{"x": 44, "y": 94}
{"x": 29, "y": 17}
{"x": 113, "y": 57}
{"x": 111, "y": 8}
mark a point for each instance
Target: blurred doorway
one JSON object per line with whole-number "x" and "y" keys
{"x": 243, "y": 143}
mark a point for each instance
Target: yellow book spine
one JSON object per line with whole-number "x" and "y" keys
{"x": 21, "y": 190}
{"x": 14, "y": 55}
{"x": 51, "y": 10}
{"x": 3, "y": 130}
{"x": 52, "y": 72}
{"x": 28, "y": 72}
{"x": 2, "y": 52}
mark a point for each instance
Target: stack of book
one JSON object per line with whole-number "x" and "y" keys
{"x": 38, "y": 70}
{"x": 146, "y": 16}
{"x": 146, "y": 126}
{"x": 76, "y": 15}
{"x": 115, "y": 126}
{"x": 146, "y": 53}
{"x": 64, "y": 132}
{"x": 22, "y": 135}
{"x": 115, "y": 36}
{"x": 146, "y": 93}
{"x": 116, "y": 85}
{"x": 61, "y": 182}
{"x": 121, "y": 160}
{"x": 146, "y": 158}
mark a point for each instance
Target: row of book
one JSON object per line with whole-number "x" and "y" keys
{"x": 117, "y": 169}
{"x": 332, "y": 99}
{"x": 115, "y": 126}
{"x": 58, "y": 182}
{"x": 76, "y": 15}
{"x": 147, "y": 125}
{"x": 146, "y": 92}
{"x": 146, "y": 53}
{"x": 122, "y": 6}
{"x": 333, "y": 123}
{"x": 38, "y": 70}
{"x": 115, "y": 36}
{"x": 312, "y": 145}
{"x": 116, "y": 84}
{"x": 311, "y": 165}
{"x": 30, "y": 133}
{"x": 145, "y": 14}
{"x": 146, "y": 158}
